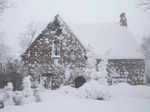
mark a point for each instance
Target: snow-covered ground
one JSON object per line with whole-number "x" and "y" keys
{"x": 123, "y": 98}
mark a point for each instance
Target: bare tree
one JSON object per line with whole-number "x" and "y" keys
{"x": 28, "y": 36}
{"x": 4, "y": 49}
{"x": 146, "y": 47}
{"x": 3, "y": 5}
{"x": 146, "y": 52}
{"x": 145, "y": 4}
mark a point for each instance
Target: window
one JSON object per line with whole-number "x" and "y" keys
{"x": 56, "y": 48}
{"x": 56, "y": 51}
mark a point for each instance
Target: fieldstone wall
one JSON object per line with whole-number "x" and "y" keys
{"x": 126, "y": 70}
{"x": 53, "y": 50}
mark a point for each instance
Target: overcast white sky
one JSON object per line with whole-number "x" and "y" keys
{"x": 73, "y": 11}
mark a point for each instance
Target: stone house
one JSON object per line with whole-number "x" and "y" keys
{"x": 57, "y": 47}
{"x": 52, "y": 51}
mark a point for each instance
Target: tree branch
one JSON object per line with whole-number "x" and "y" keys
{"x": 3, "y": 5}
{"x": 145, "y": 4}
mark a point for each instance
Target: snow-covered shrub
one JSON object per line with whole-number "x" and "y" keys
{"x": 9, "y": 87}
{"x": 27, "y": 90}
{"x": 99, "y": 76}
{"x": 37, "y": 93}
{"x": 8, "y": 94}
{"x": 96, "y": 67}
{"x": 2, "y": 97}
{"x": 102, "y": 73}
{"x": 93, "y": 90}
{"x": 68, "y": 75}
{"x": 27, "y": 86}
{"x": 27, "y": 95}
{"x": 18, "y": 98}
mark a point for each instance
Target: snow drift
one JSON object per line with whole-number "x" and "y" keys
{"x": 135, "y": 99}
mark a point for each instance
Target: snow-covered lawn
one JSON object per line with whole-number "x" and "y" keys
{"x": 124, "y": 98}
{"x": 67, "y": 104}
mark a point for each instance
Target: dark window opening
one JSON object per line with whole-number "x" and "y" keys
{"x": 56, "y": 51}
{"x": 56, "y": 48}
{"x": 79, "y": 81}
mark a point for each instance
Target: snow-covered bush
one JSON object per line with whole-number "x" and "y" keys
{"x": 27, "y": 86}
{"x": 27, "y": 90}
{"x": 9, "y": 87}
{"x": 96, "y": 67}
{"x": 68, "y": 75}
{"x": 8, "y": 94}
{"x": 93, "y": 90}
{"x": 102, "y": 73}
{"x": 27, "y": 95}
{"x": 90, "y": 90}
{"x": 18, "y": 98}
{"x": 2, "y": 97}
{"x": 37, "y": 93}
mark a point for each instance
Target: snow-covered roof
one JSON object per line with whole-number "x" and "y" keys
{"x": 108, "y": 37}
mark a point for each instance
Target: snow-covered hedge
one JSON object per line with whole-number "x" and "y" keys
{"x": 90, "y": 90}
{"x": 94, "y": 90}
